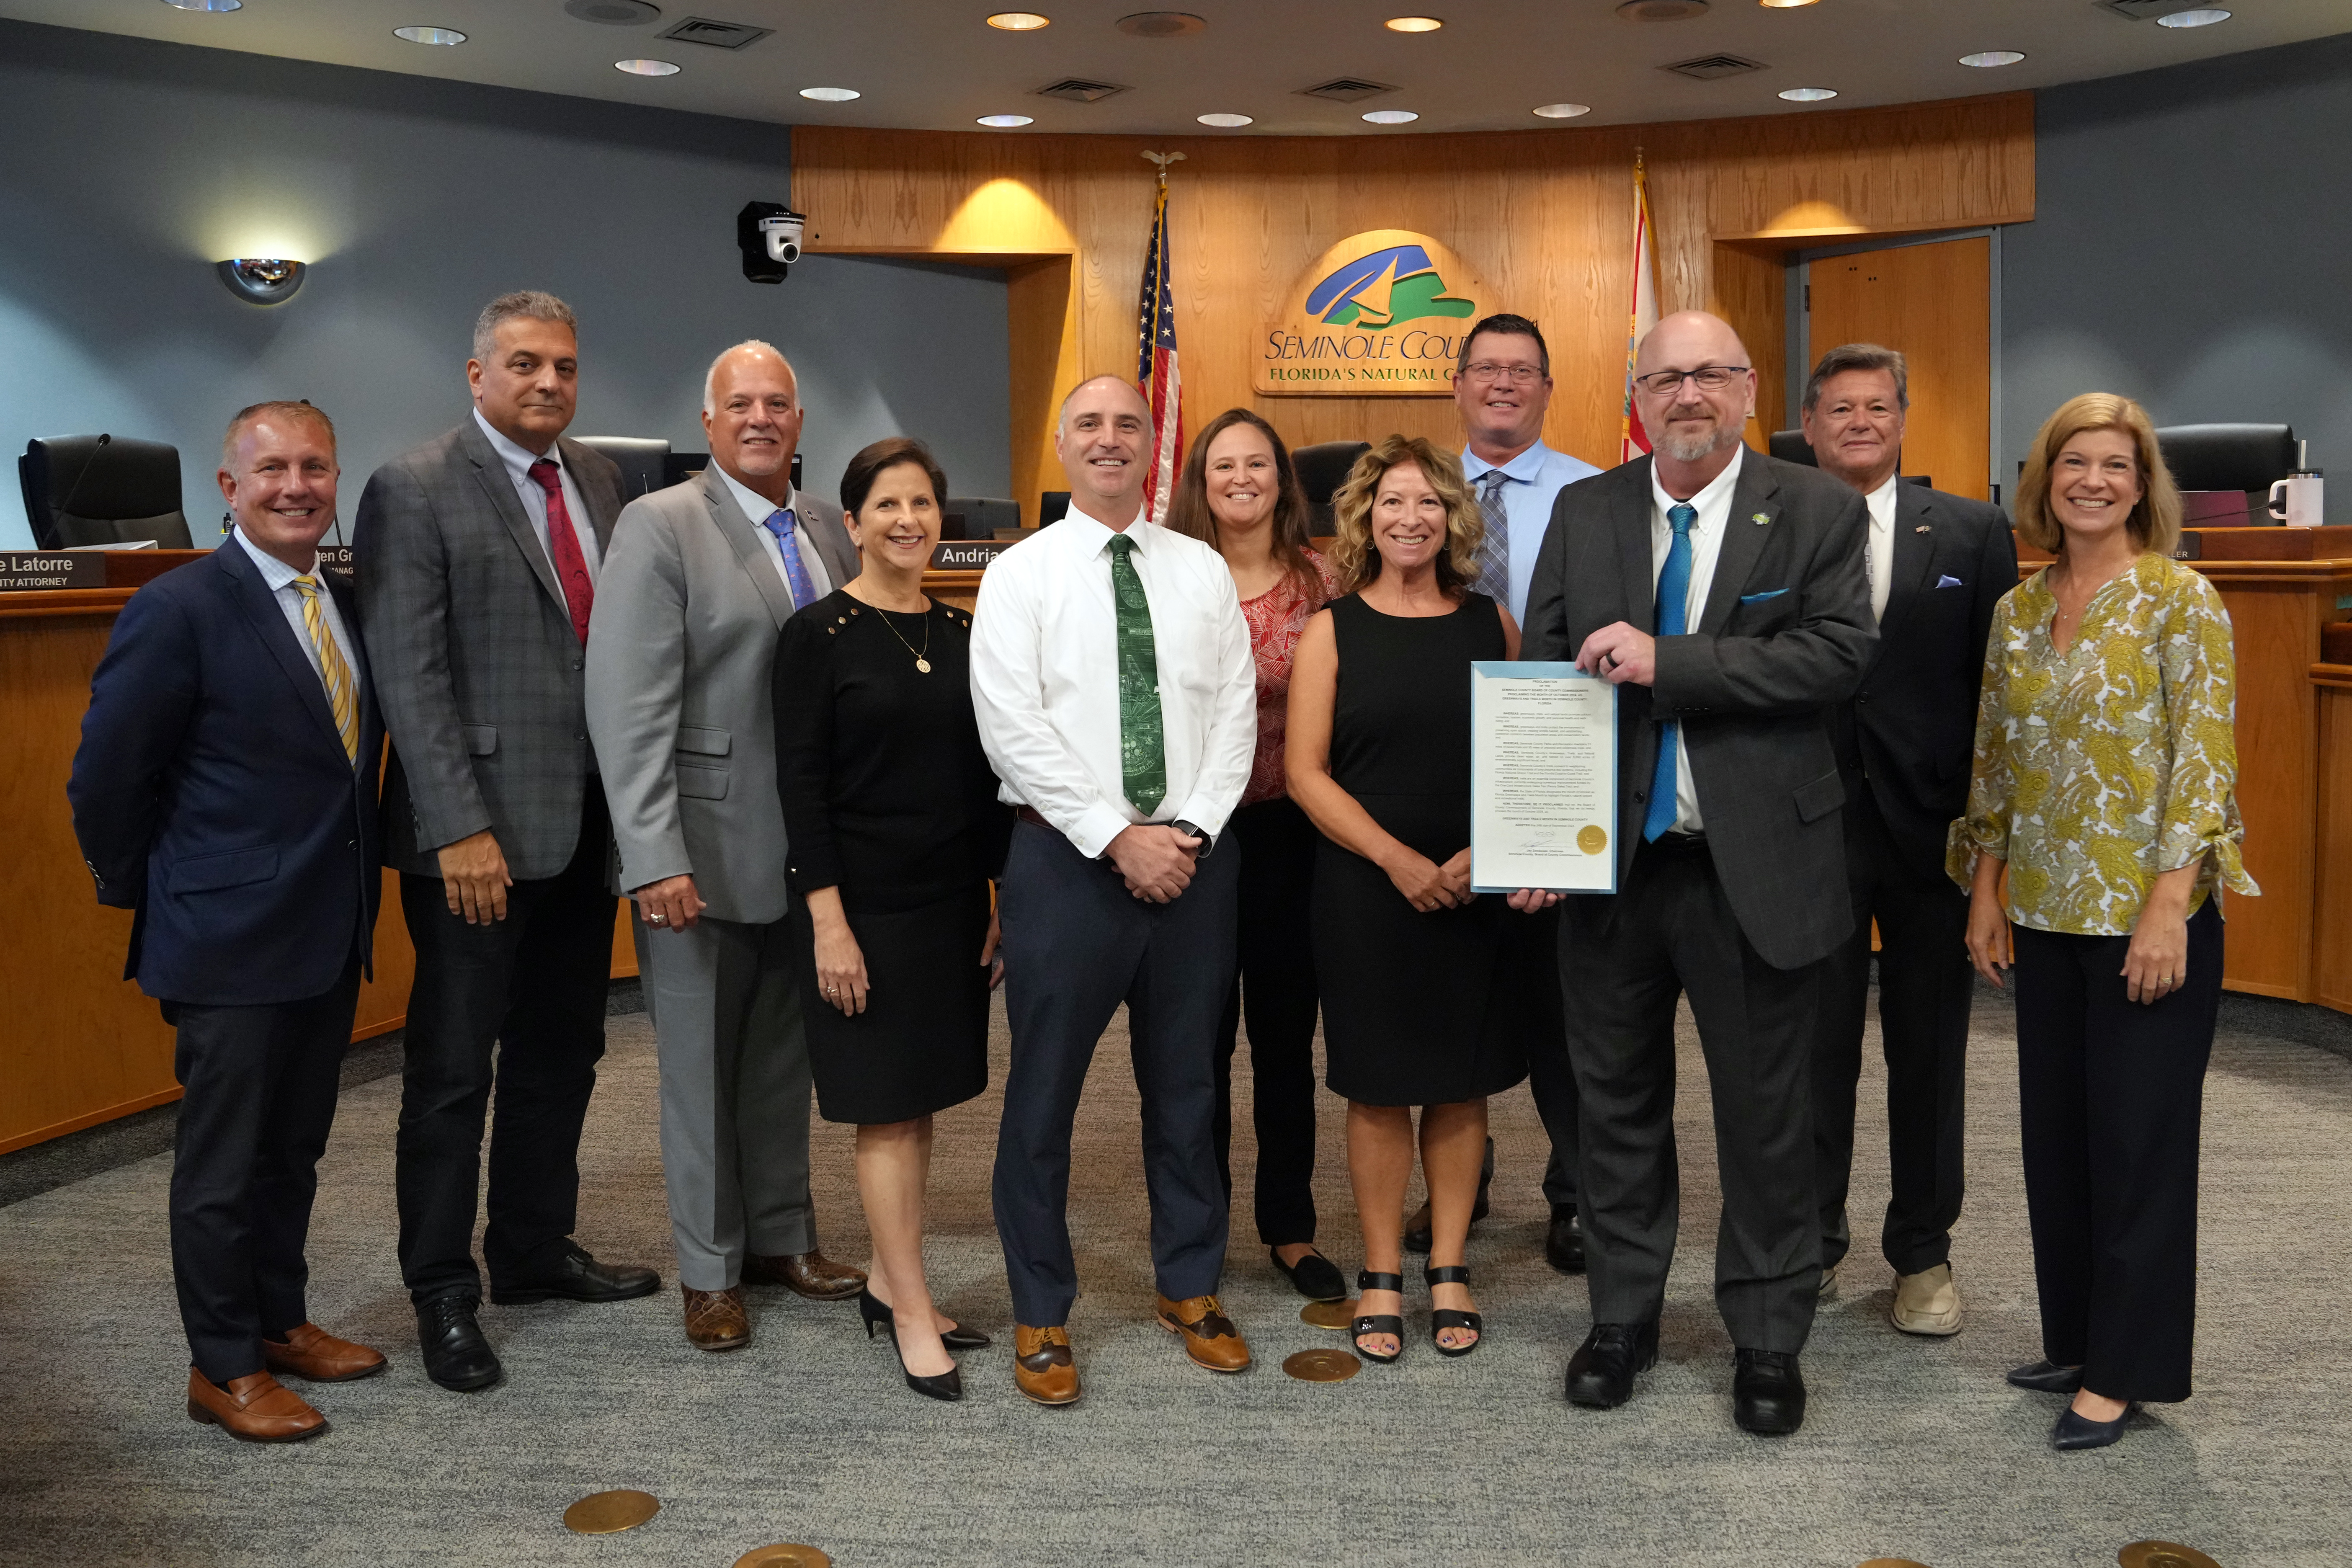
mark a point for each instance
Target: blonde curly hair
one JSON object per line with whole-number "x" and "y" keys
{"x": 1353, "y": 559}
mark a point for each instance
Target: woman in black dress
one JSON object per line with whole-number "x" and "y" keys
{"x": 895, "y": 833}
{"x": 1418, "y": 1008}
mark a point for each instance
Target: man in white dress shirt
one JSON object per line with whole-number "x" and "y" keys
{"x": 1117, "y": 698}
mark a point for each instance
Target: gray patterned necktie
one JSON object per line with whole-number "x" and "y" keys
{"x": 1495, "y": 544}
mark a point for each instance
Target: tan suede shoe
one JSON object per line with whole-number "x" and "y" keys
{"x": 1042, "y": 1365}
{"x": 255, "y": 1408}
{"x": 1926, "y": 1303}
{"x": 1209, "y": 1336}
{"x": 309, "y": 1352}
{"x": 715, "y": 1320}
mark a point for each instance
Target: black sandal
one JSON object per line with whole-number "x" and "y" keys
{"x": 1386, "y": 1323}
{"x": 1443, "y": 1318}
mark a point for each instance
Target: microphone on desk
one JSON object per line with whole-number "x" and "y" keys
{"x": 65, "y": 507}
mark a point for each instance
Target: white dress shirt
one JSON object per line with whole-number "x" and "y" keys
{"x": 1044, "y": 678}
{"x": 1714, "y": 507}
{"x": 518, "y": 461}
{"x": 1881, "y": 502}
{"x": 1532, "y": 480}
{"x": 280, "y": 578}
{"x": 759, "y": 509}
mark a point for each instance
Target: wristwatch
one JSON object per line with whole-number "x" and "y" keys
{"x": 1192, "y": 830}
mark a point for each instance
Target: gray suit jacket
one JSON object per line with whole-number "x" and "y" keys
{"x": 477, "y": 666}
{"x": 681, "y": 693}
{"x": 1786, "y": 632}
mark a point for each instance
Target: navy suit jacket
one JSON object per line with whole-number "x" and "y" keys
{"x": 211, "y": 795}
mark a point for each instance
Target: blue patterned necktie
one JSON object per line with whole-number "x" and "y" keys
{"x": 1495, "y": 543}
{"x": 1673, "y": 595}
{"x": 781, "y": 523}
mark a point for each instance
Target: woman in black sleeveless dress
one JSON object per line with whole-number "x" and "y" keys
{"x": 1418, "y": 1007}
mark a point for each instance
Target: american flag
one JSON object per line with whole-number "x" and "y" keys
{"x": 1155, "y": 367}
{"x": 1635, "y": 441}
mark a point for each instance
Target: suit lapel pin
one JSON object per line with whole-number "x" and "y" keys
{"x": 1761, "y": 517}
{"x": 1921, "y": 528}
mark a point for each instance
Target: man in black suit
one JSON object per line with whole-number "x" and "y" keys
{"x": 1938, "y": 564}
{"x": 225, "y": 790}
{"x": 1724, "y": 594}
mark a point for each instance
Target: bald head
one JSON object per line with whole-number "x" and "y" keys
{"x": 748, "y": 354}
{"x": 1092, "y": 389}
{"x": 1689, "y": 421}
{"x": 751, "y": 413}
{"x": 1102, "y": 437}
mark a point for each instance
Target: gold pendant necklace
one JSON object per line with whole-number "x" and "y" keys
{"x": 922, "y": 664}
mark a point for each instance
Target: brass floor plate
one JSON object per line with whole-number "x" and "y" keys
{"x": 1322, "y": 1366}
{"x": 788, "y": 1555}
{"x": 608, "y": 1513}
{"x": 1893, "y": 1562}
{"x": 2163, "y": 1554}
{"x": 1327, "y": 1314}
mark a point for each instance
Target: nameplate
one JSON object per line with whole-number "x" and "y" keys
{"x": 968, "y": 554}
{"x": 22, "y": 571}
{"x": 337, "y": 558}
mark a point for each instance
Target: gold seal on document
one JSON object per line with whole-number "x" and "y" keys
{"x": 1592, "y": 838}
{"x": 608, "y": 1513}
{"x": 1322, "y": 1366}
{"x": 787, "y": 1555}
{"x": 1327, "y": 1314}
{"x": 2162, "y": 1555}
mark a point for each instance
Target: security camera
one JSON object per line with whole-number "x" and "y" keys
{"x": 768, "y": 235}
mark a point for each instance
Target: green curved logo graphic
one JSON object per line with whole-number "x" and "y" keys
{"x": 1384, "y": 288}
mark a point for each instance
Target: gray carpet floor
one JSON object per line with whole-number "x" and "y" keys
{"x": 1914, "y": 1448}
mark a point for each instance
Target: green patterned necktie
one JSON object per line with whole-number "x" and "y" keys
{"x": 1143, "y": 751}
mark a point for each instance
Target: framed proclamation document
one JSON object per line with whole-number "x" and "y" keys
{"x": 1543, "y": 779}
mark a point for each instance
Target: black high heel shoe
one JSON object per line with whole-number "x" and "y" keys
{"x": 1443, "y": 1318}
{"x": 948, "y": 1386}
{"x": 1385, "y": 1323}
{"x": 876, "y": 1312}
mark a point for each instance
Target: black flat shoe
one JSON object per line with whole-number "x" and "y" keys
{"x": 1417, "y": 1228}
{"x": 1443, "y": 1318}
{"x": 1387, "y": 1323}
{"x": 456, "y": 1356}
{"x": 1767, "y": 1393}
{"x": 1314, "y": 1277}
{"x": 2076, "y": 1431}
{"x": 1564, "y": 1242}
{"x": 1601, "y": 1374}
{"x": 875, "y": 1310}
{"x": 2044, "y": 1378}
{"x": 575, "y": 1276}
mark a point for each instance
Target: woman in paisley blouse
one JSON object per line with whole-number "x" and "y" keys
{"x": 2105, "y": 767}
{"x": 1238, "y": 493}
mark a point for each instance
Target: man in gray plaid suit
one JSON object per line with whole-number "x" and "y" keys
{"x": 478, "y": 555}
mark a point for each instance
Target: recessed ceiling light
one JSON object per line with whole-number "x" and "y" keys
{"x": 1006, "y": 121}
{"x": 646, "y": 67}
{"x": 1412, "y": 24}
{"x": 1784, "y": 4}
{"x": 429, "y": 34}
{"x": 205, "y": 4}
{"x": 830, "y": 94}
{"x": 613, "y": 13}
{"x": 1226, "y": 121}
{"x": 1392, "y": 116}
{"x": 1018, "y": 21}
{"x": 1986, "y": 58}
{"x": 2204, "y": 17}
{"x": 1809, "y": 94}
{"x": 1562, "y": 110}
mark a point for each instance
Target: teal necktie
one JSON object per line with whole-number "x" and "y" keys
{"x": 1142, "y": 748}
{"x": 1674, "y": 593}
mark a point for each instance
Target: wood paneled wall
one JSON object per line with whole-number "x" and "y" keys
{"x": 1546, "y": 215}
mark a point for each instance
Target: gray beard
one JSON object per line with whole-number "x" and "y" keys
{"x": 1691, "y": 448}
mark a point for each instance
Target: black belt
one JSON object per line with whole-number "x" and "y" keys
{"x": 1676, "y": 844}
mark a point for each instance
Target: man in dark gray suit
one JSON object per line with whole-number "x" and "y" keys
{"x": 477, "y": 555}
{"x": 1724, "y": 594}
{"x": 681, "y": 705}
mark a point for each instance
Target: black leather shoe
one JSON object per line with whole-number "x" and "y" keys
{"x": 456, "y": 1356}
{"x": 2077, "y": 1431}
{"x": 1564, "y": 1242}
{"x": 1767, "y": 1393}
{"x": 2044, "y": 1377}
{"x": 1416, "y": 1229}
{"x": 574, "y": 1276}
{"x": 1601, "y": 1374}
{"x": 1315, "y": 1276}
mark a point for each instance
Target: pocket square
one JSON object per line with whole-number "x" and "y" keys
{"x": 1760, "y": 598}
{"x": 1950, "y": 583}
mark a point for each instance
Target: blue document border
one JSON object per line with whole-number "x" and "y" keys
{"x": 1544, "y": 670}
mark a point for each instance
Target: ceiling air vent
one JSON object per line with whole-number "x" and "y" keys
{"x": 718, "y": 35}
{"x": 1713, "y": 68}
{"x": 1077, "y": 89}
{"x": 1348, "y": 90}
{"x": 2148, "y": 10}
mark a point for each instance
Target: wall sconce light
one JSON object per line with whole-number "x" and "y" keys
{"x": 263, "y": 283}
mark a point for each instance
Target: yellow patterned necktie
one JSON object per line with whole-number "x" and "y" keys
{"x": 331, "y": 668}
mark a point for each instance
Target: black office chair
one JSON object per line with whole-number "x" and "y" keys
{"x": 2228, "y": 457}
{"x": 640, "y": 458}
{"x": 977, "y": 516}
{"x": 102, "y": 490}
{"x": 1322, "y": 468}
{"x": 677, "y": 468}
{"x": 1790, "y": 447}
{"x": 1053, "y": 506}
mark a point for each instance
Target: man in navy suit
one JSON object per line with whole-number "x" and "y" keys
{"x": 226, "y": 790}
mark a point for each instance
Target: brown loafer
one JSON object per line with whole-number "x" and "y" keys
{"x": 310, "y": 1352}
{"x": 715, "y": 1320}
{"x": 1209, "y": 1336}
{"x": 1042, "y": 1364}
{"x": 811, "y": 1274}
{"x": 257, "y": 1408}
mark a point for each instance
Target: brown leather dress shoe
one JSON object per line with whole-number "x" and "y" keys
{"x": 255, "y": 1408}
{"x": 1042, "y": 1364}
{"x": 310, "y": 1352}
{"x": 810, "y": 1274}
{"x": 1209, "y": 1336}
{"x": 715, "y": 1320}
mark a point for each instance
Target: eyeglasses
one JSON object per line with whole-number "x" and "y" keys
{"x": 1516, "y": 374}
{"x": 1708, "y": 377}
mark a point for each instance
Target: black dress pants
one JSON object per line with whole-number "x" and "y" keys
{"x": 260, "y": 1085}
{"x": 1276, "y": 989}
{"x": 521, "y": 1003}
{"x": 1925, "y": 987}
{"x": 1534, "y": 940}
{"x": 2111, "y": 1093}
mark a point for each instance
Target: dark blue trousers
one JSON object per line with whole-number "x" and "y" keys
{"x": 1077, "y": 945}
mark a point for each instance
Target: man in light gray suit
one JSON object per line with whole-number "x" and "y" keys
{"x": 477, "y": 556}
{"x": 1724, "y": 594}
{"x": 681, "y": 691}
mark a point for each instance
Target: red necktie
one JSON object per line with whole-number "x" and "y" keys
{"x": 563, "y": 545}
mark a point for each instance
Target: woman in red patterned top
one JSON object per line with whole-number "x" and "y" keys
{"x": 1238, "y": 493}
